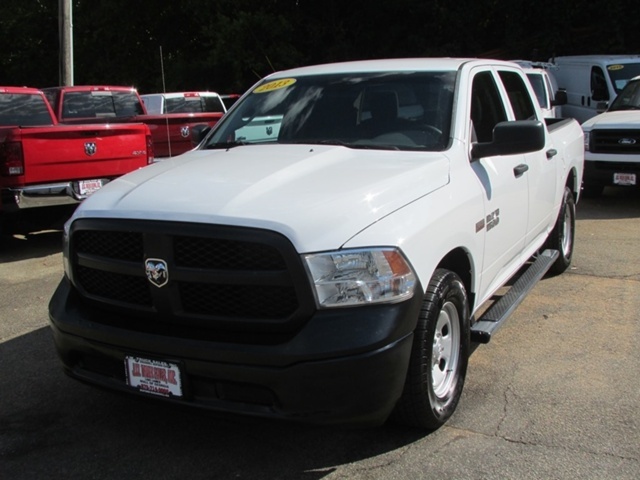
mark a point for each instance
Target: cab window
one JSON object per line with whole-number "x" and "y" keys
{"x": 599, "y": 90}
{"x": 487, "y": 109}
{"x": 518, "y": 94}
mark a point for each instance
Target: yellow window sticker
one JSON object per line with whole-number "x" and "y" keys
{"x": 615, "y": 67}
{"x": 275, "y": 85}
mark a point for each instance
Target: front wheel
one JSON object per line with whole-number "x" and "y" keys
{"x": 439, "y": 356}
{"x": 562, "y": 236}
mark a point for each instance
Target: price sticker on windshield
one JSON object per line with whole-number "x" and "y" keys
{"x": 275, "y": 85}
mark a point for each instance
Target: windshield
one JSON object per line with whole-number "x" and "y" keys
{"x": 403, "y": 111}
{"x": 621, "y": 73}
{"x": 194, "y": 104}
{"x": 26, "y": 110}
{"x": 629, "y": 98}
{"x": 100, "y": 104}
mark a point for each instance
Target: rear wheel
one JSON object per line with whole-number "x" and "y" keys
{"x": 439, "y": 356}
{"x": 562, "y": 236}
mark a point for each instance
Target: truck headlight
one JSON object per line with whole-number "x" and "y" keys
{"x": 65, "y": 248}
{"x": 587, "y": 138}
{"x": 358, "y": 277}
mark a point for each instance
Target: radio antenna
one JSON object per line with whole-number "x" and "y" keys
{"x": 164, "y": 87}
{"x": 164, "y": 100}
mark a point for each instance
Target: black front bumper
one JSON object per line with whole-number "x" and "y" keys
{"x": 602, "y": 174}
{"x": 342, "y": 366}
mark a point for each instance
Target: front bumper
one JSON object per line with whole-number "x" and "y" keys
{"x": 610, "y": 173}
{"x": 342, "y": 366}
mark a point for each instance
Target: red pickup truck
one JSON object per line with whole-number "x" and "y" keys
{"x": 44, "y": 163}
{"x": 171, "y": 132}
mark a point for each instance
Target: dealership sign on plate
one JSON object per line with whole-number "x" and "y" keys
{"x": 154, "y": 376}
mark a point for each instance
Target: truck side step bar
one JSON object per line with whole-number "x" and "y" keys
{"x": 495, "y": 316}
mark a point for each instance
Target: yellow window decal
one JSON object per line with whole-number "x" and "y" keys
{"x": 615, "y": 67}
{"x": 275, "y": 85}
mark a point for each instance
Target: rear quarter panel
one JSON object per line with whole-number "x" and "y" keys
{"x": 568, "y": 139}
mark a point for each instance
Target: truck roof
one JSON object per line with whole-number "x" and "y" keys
{"x": 397, "y": 65}
{"x": 93, "y": 88}
{"x": 597, "y": 58}
{"x": 25, "y": 90}
{"x": 534, "y": 64}
{"x": 181, "y": 94}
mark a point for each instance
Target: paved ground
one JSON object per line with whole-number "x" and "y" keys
{"x": 554, "y": 396}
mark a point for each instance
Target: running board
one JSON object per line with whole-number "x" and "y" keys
{"x": 495, "y": 316}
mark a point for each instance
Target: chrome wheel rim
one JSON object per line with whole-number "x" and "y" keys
{"x": 567, "y": 239}
{"x": 446, "y": 350}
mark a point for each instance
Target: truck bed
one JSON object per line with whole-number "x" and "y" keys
{"x": 66, "y": 152}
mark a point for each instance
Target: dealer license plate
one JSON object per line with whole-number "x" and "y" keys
{"x": 624, "y": 178}
{"x": 87, "y": 187}
{"x": 154, "y": 376}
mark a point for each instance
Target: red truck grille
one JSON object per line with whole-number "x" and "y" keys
{"x": 217, "y": 278}
{"x": 615, "y": 141}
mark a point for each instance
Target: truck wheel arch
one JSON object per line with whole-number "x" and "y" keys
{"x": 459, "y": 261}
{"x": 439, "y": 355}
{"x": 572, "y": 183}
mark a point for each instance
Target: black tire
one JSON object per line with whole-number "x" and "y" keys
{"x": 439, "y": 356}
{"x": 562, "y": 236}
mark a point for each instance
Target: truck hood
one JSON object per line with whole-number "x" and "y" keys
{"x": 317, "y": 196}
{"x": 614, "y": 120}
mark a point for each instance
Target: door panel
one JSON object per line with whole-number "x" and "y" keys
{"x": 505, "y": 191}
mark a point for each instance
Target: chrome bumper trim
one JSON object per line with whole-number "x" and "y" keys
{"x": 48, "y": 195}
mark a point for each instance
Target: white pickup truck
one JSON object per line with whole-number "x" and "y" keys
{"x": 612, "y": 143}
{"x": 550, "y": 97}
{"x": 338, "y": 271}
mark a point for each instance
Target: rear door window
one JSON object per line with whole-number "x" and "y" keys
{"x": 487, "y": 109}
{"x": 519, "y": 96}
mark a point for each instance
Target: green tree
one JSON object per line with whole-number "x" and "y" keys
{"x": 226, "y": 45}
{"x": 29, "y": 42}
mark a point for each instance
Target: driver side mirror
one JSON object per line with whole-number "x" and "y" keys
{"x": 560, "y": 98}
{"x": 600, "y": 94}
{"x": 512, "y": 138}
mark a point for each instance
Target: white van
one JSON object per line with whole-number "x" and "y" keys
{"x": 592, "y": 82}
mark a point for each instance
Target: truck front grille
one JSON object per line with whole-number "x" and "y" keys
{"x": 619, "y": 142}
{"x": 219, "y": 278}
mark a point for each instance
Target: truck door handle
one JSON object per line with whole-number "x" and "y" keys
{"x": 519, "y": 170}
{"x": 552, "y": 152}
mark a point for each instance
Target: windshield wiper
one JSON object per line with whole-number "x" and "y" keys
{"x": 227, "y": 145}
{"x": 364, "y": 146}
{"x": 625, "y": 107}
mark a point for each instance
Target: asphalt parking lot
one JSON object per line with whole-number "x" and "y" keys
{"x": 556, "y": 395}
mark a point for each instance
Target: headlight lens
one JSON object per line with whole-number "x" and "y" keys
{"x": 586, "y": 141}
{"x": 357, "y": 277}
{"x": 65, "y": 248}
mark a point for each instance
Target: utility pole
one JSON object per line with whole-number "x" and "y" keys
{"x": 65, "y": 30}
